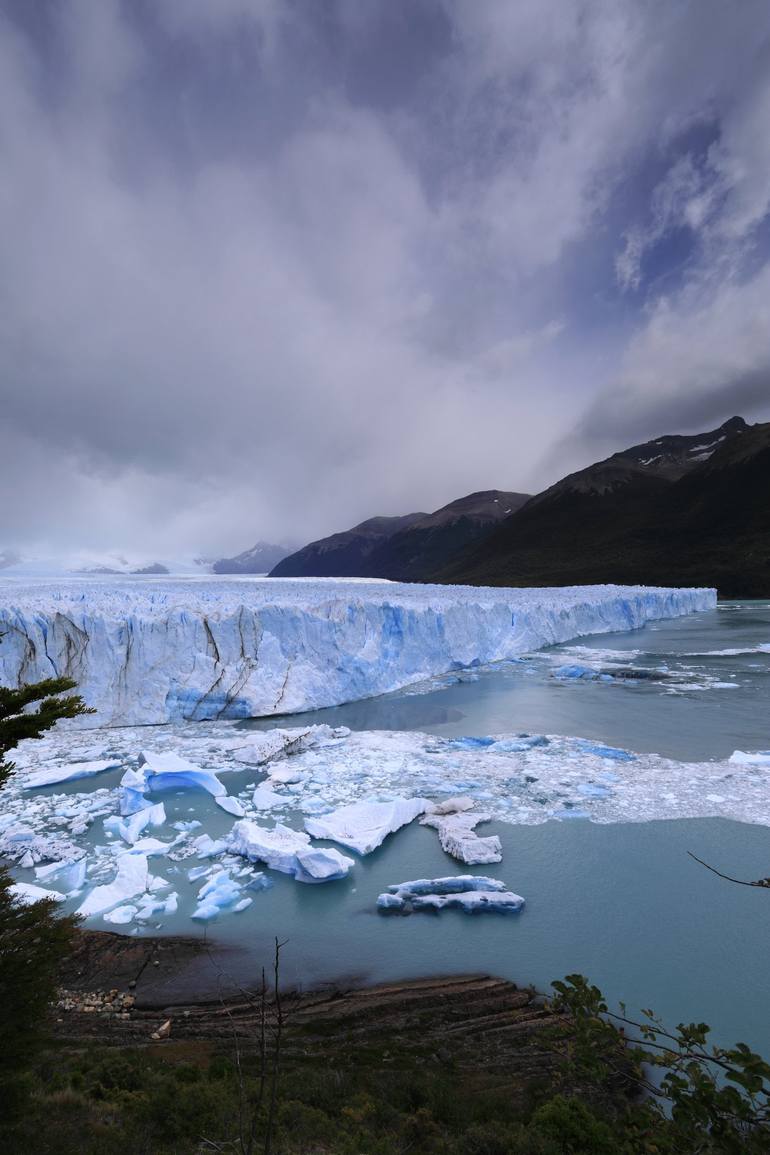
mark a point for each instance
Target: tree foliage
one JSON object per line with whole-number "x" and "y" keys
{"x": 33, "y": 938}
{"x": 17, "y": 721}
{"x": 699, "y": 1097}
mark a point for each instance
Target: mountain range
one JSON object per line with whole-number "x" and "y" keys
{"x": 674, "y": 511}
{"x": 677, "y": 510}
{"x": 404, "y": 548}
{"x": 261, "y": 558}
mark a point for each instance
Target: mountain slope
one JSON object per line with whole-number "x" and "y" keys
{"x": 407, "y": 548}
{"x": 259, "y": 559}
{"x": 677, "y": 511}
{"x": 437, "y": 538}
{"x": 346, "y": 554}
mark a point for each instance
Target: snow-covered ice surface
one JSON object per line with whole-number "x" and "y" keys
{"x": 152, "y": 651}
{"x": 353, "y": 787}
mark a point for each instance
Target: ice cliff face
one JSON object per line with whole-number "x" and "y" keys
{"x": 153, "y": 650}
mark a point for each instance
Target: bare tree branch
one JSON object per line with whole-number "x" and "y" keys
{"x": 762, "y": 882}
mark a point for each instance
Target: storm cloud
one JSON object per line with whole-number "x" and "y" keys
{"x": 268, "y": 267}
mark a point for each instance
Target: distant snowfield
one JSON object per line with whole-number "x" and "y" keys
{"x": 159, "y": 650}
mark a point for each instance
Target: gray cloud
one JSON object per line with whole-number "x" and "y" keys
{"x": 261, "y": 277}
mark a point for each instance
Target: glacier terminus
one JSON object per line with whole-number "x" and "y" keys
{"x": 156, "y": 651}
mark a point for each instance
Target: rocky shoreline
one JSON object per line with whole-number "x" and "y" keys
{"x": 126, "y": 991}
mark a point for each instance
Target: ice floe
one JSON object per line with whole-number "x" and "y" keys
{"x": 53, "y": 775}
{"x": 288, "y": 851}
{"x": 458, "y": 838}
{"x": 131, "y": 879}
{"x": 174, "y": 649}
{"x": 27, "y": 893}
{"x": 468, "y": 892}
{"x": 355, "y": 789}
{"x": 363, "y": 826}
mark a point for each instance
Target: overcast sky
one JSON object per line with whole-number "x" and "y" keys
{"x": 268, "y": 267}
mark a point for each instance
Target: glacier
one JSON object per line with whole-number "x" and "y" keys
{"x": 150, "y": 652}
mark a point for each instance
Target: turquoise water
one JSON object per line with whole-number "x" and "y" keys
{"x": 623, "y": 904}
{"x": 691, "y": 702}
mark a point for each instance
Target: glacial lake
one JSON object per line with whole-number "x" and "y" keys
{"x": 622, "y": 903}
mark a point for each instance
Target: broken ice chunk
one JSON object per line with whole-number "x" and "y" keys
{"x": 288, "y": 851}
{"x": 453, "y": 805}
{"x": 321, "y": 865}
{"x": 27, "y": 893}
{"x": 52, "y": 775}
{"x": 207, "y": 847}
{"x": 265, "y": 799}
{"x": 69, "y": 875}
{"x": 129, "y": 828}
{"x": 121, "y": 914}
{"x": 363, "y": 826}
{"x": 286, "y": 776}
{"x": 458, "y": 838}
{"x": 471, "y": 893}
{"x": 130, "y": 880}
{"x": 220, "y": 892}
{"x": 231, "y": 805}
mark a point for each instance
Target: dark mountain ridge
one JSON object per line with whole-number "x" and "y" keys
{"x": 346, "y": 554}
{"x": 407, "y": 548}
{"x": 674, "y": 511}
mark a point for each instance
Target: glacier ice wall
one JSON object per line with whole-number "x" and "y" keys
{"x": 146, "y": 651}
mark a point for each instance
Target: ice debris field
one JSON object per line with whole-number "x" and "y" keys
{"x": 93, "y": 819}
{"x": 156, "y": 651}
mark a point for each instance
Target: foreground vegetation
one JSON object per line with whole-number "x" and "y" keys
{"x": 33, "y": 939}
{"x": 382, "y": 1098}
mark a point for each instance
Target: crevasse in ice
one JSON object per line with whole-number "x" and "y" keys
{"x": 163, "y": 651}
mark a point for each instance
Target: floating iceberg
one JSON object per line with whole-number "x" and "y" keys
{"x": 468, "y": 892}
{"x": 146, "y": 653}
{"x": 458, "y": 838}
{"x": 363, "y": 826}
{"x": 129, "y": 828}
{"x": 121, "y": 915}
{"x": 266, "y": 799}
{"x": 221, "y": 892}
{"x": 166, "y": 771}
{"x": 131, "y": 879}
{"x": 27, "y": 893}
{"x": 69, "y": 875}
{"x": 170, "y": 772}
{"x": 288, "y": 851}
{"x": 271, "y": 745}
{"x": 231, "y": 805}
{"x": 53, "y": 775}
{"x": 758, "y": 758}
